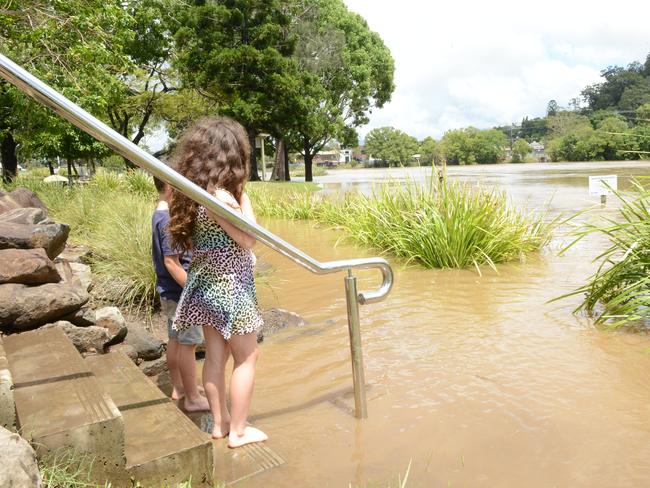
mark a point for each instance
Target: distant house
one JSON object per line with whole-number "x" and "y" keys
{"x": 327, "y": 158}
{"x": 360, "y": 154}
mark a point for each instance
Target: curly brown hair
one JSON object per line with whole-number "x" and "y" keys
{"x": 213, "y": 153}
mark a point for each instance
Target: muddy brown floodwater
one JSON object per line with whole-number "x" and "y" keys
{"x": 473, "y": 380}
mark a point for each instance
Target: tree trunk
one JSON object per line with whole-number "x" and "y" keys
{"x": 50, "y": 167}
{"x": 8, "y": 157}
{"x": 309, "y": 158}
{"x": 69, "y": 162}
{"x": 287, "y": 175}
{"x": 254, "y": 176}
{"x": 278, "y": 167}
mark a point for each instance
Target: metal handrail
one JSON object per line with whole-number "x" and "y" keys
{"x": 70, "y": 111}
{"x": 74, "y": 114}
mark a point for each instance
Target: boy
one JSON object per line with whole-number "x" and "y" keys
{"x": 171, "y": 274}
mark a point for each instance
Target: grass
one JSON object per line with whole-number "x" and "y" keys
{"x": 111, "y": 215}
{"x": 618, "y": 293}
{"x": 67, "y": 468}
{"x": 444, "y": 224}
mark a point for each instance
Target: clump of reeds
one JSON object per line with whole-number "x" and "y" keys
{"x": 443, "y": 224}
{"x": 618, "y": 293}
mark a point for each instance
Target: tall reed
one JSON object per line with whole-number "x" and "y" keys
{"x": 618, "y": 293}
{"x": 443, "y": 224}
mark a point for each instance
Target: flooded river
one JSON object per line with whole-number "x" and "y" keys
{"x": 473, "y": 380}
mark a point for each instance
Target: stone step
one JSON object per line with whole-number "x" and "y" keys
{"x": 7, "y": 406}
{"x": 163, "y": 447}
{"x": 60, "y": 404}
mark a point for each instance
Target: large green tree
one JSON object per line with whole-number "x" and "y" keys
{"x": 237, "y": 53}
{"x": 76, "y": 46}
{"x": 346, "y": 71}
{"x": 391, "y": 146}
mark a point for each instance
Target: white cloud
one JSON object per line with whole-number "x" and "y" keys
{"x": 483, "y": 63}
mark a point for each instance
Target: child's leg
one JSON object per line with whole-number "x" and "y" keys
{"x": 214, "y": 380}
{"x": 194, "y": 401}
{"x": 244, "y": 352}
{"x": 174, "y": 370}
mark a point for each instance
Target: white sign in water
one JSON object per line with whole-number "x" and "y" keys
{"x": 602, "y": 184}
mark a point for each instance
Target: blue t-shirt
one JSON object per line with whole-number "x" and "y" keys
{"x": 161, "y": 247}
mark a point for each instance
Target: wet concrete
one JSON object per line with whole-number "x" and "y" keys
{"x": 162, "y": 446}
{"x": 59, "y": 403}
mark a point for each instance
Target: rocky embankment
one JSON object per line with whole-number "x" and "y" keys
{"x": 44, "y": 285}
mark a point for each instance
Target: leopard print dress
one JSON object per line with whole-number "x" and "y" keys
{"x": 220, "y": 288}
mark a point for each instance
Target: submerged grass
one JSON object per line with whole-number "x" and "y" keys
{"x": 444, "y": 224}
{"x": 618, "y": 293}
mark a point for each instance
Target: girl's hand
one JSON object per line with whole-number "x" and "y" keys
{"x": 227, "y": 198}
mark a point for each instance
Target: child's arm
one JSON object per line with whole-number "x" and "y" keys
{"x": 175, "y": 269}
{"x": 242, "y": 238}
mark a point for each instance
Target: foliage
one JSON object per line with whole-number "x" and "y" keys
{"x": 346, "y": 71}
{"x": 67, "y": 468}
{"x": 618, "y": 292}
{"x": 446, "y": 224}
{"x": 76, "y": 46}
{"x": 429, "y": 151}
{"x": 391, "y": 146}
{"x": 624, "y": 89}
{"x": 519, "y": 150}
{"x": 471, "y": 145}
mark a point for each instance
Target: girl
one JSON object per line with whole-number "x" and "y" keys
{"x": 220, "y": 291}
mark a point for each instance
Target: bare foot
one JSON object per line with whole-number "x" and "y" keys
{"x": 200, "y": 404}
{"x": 178, "y": 394}
{"x": 251, "y": 435}
{"x": 222, "y": 430}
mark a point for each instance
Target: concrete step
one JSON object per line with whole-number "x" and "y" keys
{"x": 7, "y": 405}
{"x": 60, "y": 404}
{"x": 163, "y": 447}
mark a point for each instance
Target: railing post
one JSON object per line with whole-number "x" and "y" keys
{"x": 358, "y": 376}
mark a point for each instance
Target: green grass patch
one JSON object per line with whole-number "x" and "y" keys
{"x": 444, "y": 224}
{"x": 618, "y": 293}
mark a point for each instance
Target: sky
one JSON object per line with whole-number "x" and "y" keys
{"x": 487, "y": 63}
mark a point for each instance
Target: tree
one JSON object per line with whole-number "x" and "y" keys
{"x": 428, "y": 151}
{"x": 76, "y": 46}
{"x": 237, "y": 53}
{"x": 471, "y": 145}
{"x": 551, "y": 108}
{"x": 520, "y": 149}
{"x": 391, "y": 146}
{"x": 346, "y": 71}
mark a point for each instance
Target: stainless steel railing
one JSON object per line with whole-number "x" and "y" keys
{"x": 49, "y": 97}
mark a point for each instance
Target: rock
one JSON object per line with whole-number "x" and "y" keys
{"x": 145, "y": 344}
{"x": 27, "y": 307}
{"x": 155, "y": 367}
{"x": 76, "y": 254}
{"x": 83, "y": 317}
{"x": 19, "y": 198}
{"x": 82, "y": 273}
{"x": 276, "y": 319}
{"x": 126, "y": 349}
{"x": 51, "y": 237}
{"x": 86, "y": 339}
{"x": 18, "y": 468}
{"x": 7, "y": 404}
{"x": 30, "y": 215}
{"x": 112, "y": 320}
{"x": 27, "y": 266}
